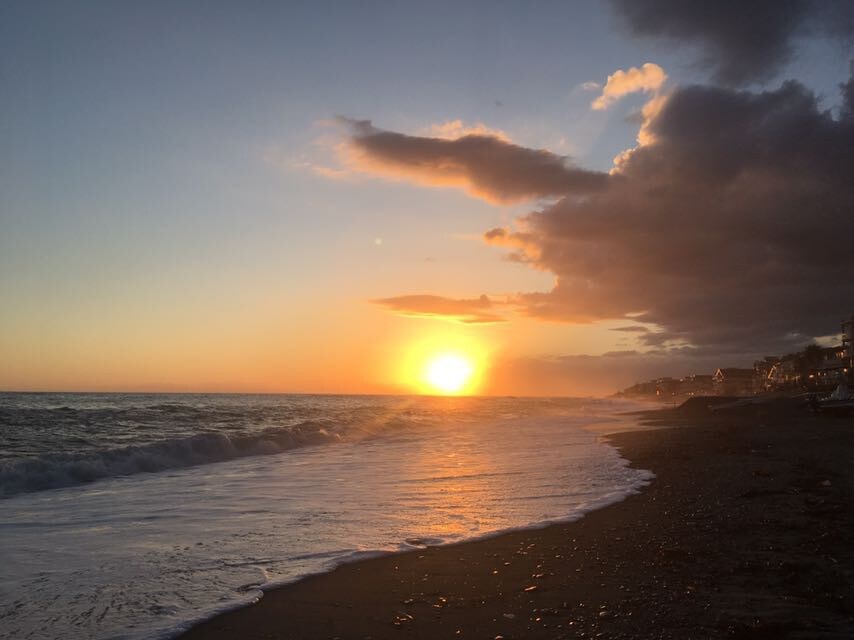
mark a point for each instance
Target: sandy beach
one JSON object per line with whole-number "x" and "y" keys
{"x": 744, "y": 533}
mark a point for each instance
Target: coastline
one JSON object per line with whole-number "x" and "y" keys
{"x": 743, "y": 533}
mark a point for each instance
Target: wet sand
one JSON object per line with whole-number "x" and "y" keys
{"x": 746, "y": 532}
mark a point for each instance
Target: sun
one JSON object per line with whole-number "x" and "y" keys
{"x": 449, "y": 373}
{"x": 441, "y": 363}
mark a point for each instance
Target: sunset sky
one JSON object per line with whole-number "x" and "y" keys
{"x": 315, "y": 197}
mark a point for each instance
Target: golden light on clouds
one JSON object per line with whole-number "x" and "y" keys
{"x": 456, "y": 129}
{"x": 648, "y": 78}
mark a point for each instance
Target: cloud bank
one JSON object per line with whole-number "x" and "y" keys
{"x": 731, "y": 230}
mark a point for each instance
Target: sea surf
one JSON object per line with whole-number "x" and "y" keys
{"x": 136, "y": 515}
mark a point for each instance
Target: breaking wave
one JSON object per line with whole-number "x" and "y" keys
{"x": 56, "y": 470}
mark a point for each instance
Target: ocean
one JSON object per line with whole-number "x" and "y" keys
{"x": 136, "y": 515}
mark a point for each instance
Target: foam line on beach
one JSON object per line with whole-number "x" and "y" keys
{"x": 413, "y": 545}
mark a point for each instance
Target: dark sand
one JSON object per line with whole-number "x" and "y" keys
{"x": 747, "y": 532}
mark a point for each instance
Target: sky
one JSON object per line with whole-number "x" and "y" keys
{"x": 315, "y": 197}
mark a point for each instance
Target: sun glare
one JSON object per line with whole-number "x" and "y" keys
{"x": 449, "y": 373}
{"x": 442, "y": 363}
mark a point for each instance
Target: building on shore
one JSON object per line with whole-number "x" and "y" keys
{"x": 814, "y": 369}
{"x": 732, "y": 381}
{"x": 832, "y": 368}
{"x": 784, "y": 373}
{"x": 697, "y": 385}
{"x": 671, "y": 388}
{"x": 762, "y": 373}
{"x": 848, "y": 341}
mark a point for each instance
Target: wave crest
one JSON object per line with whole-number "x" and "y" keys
{"x": 56, "y": 470}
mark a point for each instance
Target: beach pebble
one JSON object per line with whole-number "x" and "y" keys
{"x": 401, "y": 619}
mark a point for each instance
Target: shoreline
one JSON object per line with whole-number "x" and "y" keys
{"x": 743, "y": 533}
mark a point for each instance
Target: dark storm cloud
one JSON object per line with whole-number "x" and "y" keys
{"x": 740, "y": 41}
{"x": 733, "y": 229}
{"x": 469, "y": 311}
{"x": 487, "y": 166}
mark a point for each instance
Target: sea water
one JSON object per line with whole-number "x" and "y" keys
{"x": 134, "y": 516}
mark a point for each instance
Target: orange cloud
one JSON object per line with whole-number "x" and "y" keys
{"x": 456, "y": 129}
{"x": 647, "y": 78}
{"x": 524, "y": 244}
{"x": 468, "y": 311}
